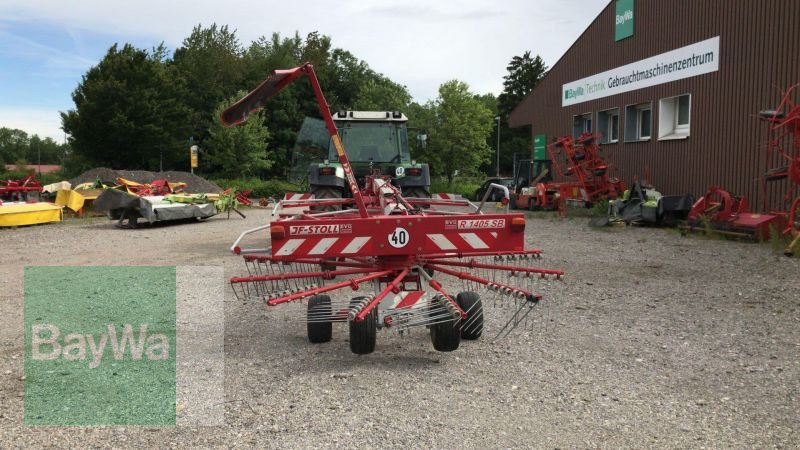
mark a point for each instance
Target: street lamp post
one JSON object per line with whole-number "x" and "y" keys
{"x": 497, "y": 118}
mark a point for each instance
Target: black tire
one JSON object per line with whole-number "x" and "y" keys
{"x": 471, "y": 303}
{"x": 363, "y": 335}
{"x": 319, "y": 332}
{"x": 446, "y": 336}
{"x": 326, "y": 192}
{"x": 417, "y": 192}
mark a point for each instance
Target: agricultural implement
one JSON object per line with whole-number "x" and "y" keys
{"x": 725, "y": 213}
{"x": 394, "y": 247}
{"x": 586, "y": 172}
{"x": 19, "y": 189}
{"x": 784, "y": 128}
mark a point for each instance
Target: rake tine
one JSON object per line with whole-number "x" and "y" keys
{"x": 514, "y": 321}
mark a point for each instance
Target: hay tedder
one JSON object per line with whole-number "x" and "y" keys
{"x": 393, "y": 247}
{"x": 784, "y": 129}
{"x": 586, "y": 172}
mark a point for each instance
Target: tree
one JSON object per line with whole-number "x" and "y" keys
{"x": 129, "y": 112}
{"x": 211, "y": 61}
{"x": 14, "y": 145}
{"x": 238, "y": 151}
{"x": 457, "y": 124}
{"x": 524, "y": 73}
{"x": 381, "y": 94}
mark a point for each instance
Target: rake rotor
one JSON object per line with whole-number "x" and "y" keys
{"x": 403, "y": 256}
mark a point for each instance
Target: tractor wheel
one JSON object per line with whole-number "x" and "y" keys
{"x": 319, "y": 306}
{"x": 326, "y": 192}
{"x": 470, "y": 302}
{"x": 446, "y": 335}
{"x": 417, "y": 192}
{"x": 364, "y": 334}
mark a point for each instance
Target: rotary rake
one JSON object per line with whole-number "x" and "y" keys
{"x": 784, "y": 129}
{"x": 396, "y": 248}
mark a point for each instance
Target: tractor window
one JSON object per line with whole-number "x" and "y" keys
{"x": 379, "y": 142}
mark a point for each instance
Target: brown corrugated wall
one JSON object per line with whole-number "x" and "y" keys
{"x": 759, "y": 57}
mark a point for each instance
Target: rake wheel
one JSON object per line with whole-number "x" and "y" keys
{"x": 470, "y": 302}
{"x": 446, "y": 335}
{"x": 363, "y": 334}
{"x": 319, "y": 332}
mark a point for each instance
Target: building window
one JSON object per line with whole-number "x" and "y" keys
{"x": 638, "y": 122}
{"x": 674, "y": 117}
{"x": 608, "y": 124}
{"x": 581, "y": 124}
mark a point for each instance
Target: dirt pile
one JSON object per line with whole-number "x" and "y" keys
{"x": 194, "y": 184}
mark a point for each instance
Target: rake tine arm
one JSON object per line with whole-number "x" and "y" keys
{"x": 472, "y": 264}
{"x": 330, "y": 262}
{"x": 466, "y": 276}
{"x": 326, "y": 274}
{"x": 534, "y": 252}
{"x": 378, "y": 298}
{"x": 438, "y": 288}
{"x": 353, "y": 283}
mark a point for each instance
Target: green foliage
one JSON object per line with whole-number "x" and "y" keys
{"x": 16, "y": 145}
{"x": 457, "y": 125}
{"x": 210, "y": 61}
{"x": 462, "y": 186}
{"x": 129, "y": 112}
{"x": 237, "y": 151}
{"x": 260, "y": 188}
{"x": 600, "y": 209}
{"x": 524, "y": 73}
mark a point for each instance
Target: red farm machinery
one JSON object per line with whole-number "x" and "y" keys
{"x": 725, "y": 213}
{"x": 393, "y": 247}
{"x": 19, "y": 190}
{"x": 586, "y": 177}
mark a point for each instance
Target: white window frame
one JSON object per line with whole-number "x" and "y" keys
{"x": 632, "y": 123}
{"x": 669, "y": 115}
{"x": 584, "y": 118}
{"x": 609, "y": 114}
{"x": 639, "y": 112}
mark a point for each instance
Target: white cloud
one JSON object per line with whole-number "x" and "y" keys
{"x": 46, "y": 122}
{"x": 418, "y": 43}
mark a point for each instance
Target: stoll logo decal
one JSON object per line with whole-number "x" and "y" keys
{"x": 100, "y": 345}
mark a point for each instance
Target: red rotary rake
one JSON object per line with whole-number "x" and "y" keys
{"x": 784, "y": 128}
{"x": 586, "y": 172}
{"x": 397, "y": 246}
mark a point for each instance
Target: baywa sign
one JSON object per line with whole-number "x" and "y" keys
{"x": 46, "y": 345}
{"x": 696, "y": 59}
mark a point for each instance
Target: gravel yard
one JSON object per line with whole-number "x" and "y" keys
{"x": 652, "y": 340}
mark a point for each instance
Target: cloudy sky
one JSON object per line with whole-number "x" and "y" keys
{"x": 46, "y": 45}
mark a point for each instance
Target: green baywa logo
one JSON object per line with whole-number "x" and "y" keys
{"x": 624, "y": 17}
{"x": 73, "y": 347}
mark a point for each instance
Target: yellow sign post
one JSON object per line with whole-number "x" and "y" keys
{"x": 193, "y": 157}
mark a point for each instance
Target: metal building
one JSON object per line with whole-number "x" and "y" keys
{"x": 675, "y": 87}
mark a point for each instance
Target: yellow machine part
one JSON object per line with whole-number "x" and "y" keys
{"x": 15, "y": 215}
{"x": 75, "y": 200}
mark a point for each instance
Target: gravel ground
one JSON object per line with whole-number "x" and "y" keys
{"x": 652, "y": 340}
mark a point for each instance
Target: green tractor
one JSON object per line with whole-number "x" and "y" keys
{"x": 376, "y": 143}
